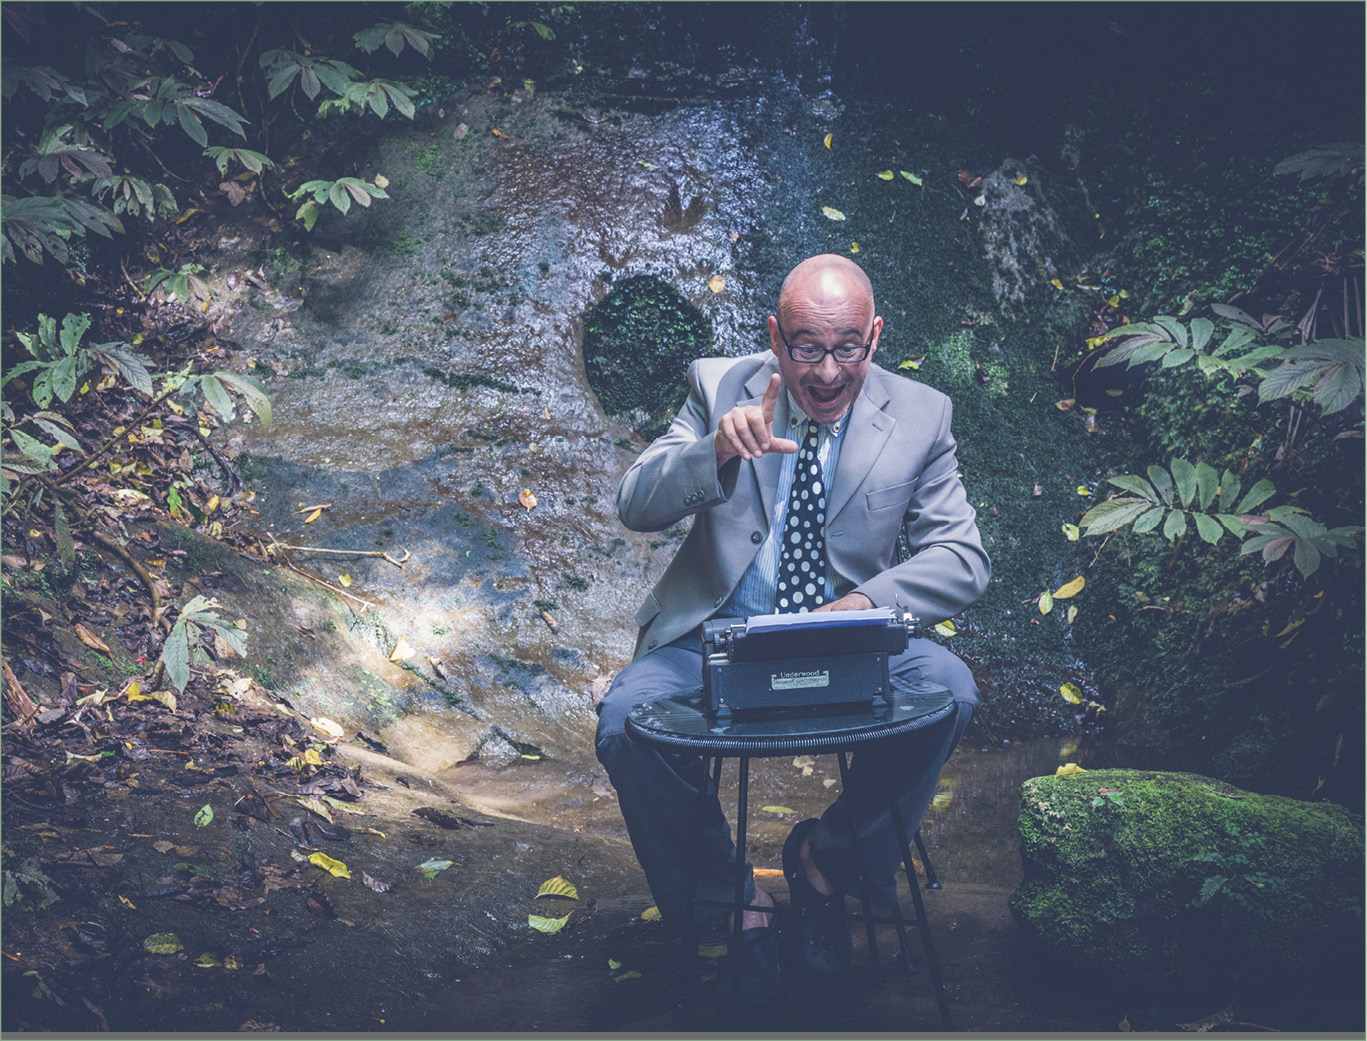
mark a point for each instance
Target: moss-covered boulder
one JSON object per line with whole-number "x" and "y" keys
{"x": 1148, "y": 880}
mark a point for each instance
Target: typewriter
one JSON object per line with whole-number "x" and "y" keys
{"x": 829, "y": 661}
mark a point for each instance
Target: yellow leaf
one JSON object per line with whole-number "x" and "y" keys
{"x": 313, "y": 805}
{"x": 91, "y": 640}
{"x": 557, "y": 886}
{"x": 910, "y": 177}
{"x": 326, "y": 726}
{"x": 497, "y": 132}
{"x": 162, "y": 943}
{"x": 1072, "y": 693}
{"x": 1021, "y": 178}
{"x": 1056, "y": 283}
{"x": 614, "y": 964}
{"x": 208, "y": 961}
{"x": 1114, "y": 301}
{"x": 232, "y": 963}
{"x": 1065, "y": 404}
{"x": 547, "y": 925}
{"x": 527, "y": 499}
{"x": 630, "y": 974}
{"x": 1072, "y": 531}
{"x": 401, "y": 651}
{"x": 381, "y": 181}
{"x": 134, "y": 692}
{"x": 885, "y": 175}
{"x": 1072, "y": 613}
{"x": 1082, "y": 489}
{"x": 211, "y": 505}
{"x": 854, "y": 247}
{"x": 945, "y": 628}
{"x": 827, "y": 142}
{"x": 716, "y": 283}
{"x": 313, "y": 516}
{"x": 313, "y": 758}
{"x": 1068, "y": 589}
{"x": 913, "y": 363}
{"x": 651, "y": 914}
{"x": 334, "y": 867}
{"x": 128, "y": 903}
{"x": 1046, "y": 602}
{"x": 345, "y": 580}
{"x": 777, "y": 809}
{"x": 1069, "y": 770}
{"x": 832, "y": 213}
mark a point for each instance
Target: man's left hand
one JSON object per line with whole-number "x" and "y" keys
{"x": 848, "y": 602}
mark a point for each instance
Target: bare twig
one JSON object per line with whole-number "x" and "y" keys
{"x": 328, "y": 585}
{"x": 131, "y": 284}
{"x": 109, "y": 445}
{"x": 17, "y": 701}
{"x": 344, "y": 552}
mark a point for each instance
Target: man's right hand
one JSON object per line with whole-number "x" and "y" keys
{"x": 748, "y": 430}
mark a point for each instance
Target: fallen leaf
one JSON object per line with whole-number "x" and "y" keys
{"x": 381, "y": 181}
{"x": 314, "y": 515}
{"x": 1056, "y": 283}
{"x": 549, "y": 619}
{"x": 827, "y": 141}
{"x": 1021, "y": 178}
{"x": 461, "y": 130}
{"x": 326, "y": 726}
{"x": 205, "y": 816}
{"x": 1046, "y": 602}
{"x": 777, "y": 809}
{"x": 854, "y": 247}
{"x": 557, "y": 886}
{"x": 429, "y": 868}
{"x": 1037, "y": 491}
{"x": 1082, "y": 489}
{"x": 91, "y": 640}
{"x": 885, "y": 175}
{"x": 1070, "y": 588}
{"x": 128, "y": 903}
{"x": 333, "y": 867}
{"x": 402, "y": 651}
{"x": 913, "y": 363}
{"x": 651, "y": 914}
{"x": 716, "y": 283}
{"x": 1069, "y": 770}
{"x": 1072, "y": 693}
{"x": 832, "y": 213}
{"x": 547, "y": 925}
{"x": 345, "y": 580}
{"x": 910, "y": 177}
{"x": 375, "y": 883}
{"x": 162, "y": 943}
{"x": 527, "y": 499}
{"x": 208, "y": 961}
{"x": 314, "y": 806}
{"x": 497, "y": 132}
{"x": 614, "y": 964}
{"x": 1091, "y": 424}
{"x": 1065, "y": 404}
{"x": 162, "y": 846}
{"x": 1072, "y": 531}
{"x": 945, "y": 628}
{"x": 232, "y": 963}
{"x": 630, "y": 974}
{"x": 1072, "y": 613}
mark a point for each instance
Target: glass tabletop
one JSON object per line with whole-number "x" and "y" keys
{"x": 683, "y": 723}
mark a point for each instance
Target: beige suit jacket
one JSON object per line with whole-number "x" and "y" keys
{"x": 897, "y": 472}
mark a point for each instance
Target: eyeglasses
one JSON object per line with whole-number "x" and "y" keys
{"x": 804, "y": 354}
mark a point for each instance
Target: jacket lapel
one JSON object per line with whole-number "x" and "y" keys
{"x": 869, "y": 430}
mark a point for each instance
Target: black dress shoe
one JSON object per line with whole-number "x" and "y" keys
{"x": 818, "y": 934}
{"x": 760, "y": 983}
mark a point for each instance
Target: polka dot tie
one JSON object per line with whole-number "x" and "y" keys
{"x": 802, "y": 565}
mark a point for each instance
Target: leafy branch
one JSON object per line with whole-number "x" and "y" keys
{"x": 184, "y": 646}
{"x": 1169, "y": 497}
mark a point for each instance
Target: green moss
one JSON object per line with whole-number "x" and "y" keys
{"x": 1108, "y": 888}
{"x": 638, "y": 342}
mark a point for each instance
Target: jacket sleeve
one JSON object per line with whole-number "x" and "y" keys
{"x": 948, "y": 569}
{"x": 677, "y": 475}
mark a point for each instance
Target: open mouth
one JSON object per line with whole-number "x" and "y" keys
{"x": 826, "y": 395}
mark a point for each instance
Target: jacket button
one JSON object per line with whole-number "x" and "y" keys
{"x": 719, "y": 601}
{"x": 652, "y": 645}
{"x": 756, "y": 537}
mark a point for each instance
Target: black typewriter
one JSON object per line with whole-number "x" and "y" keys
{"x": 829, "y": 661}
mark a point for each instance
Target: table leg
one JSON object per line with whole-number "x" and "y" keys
{"x": 921, "y": 919}
{"x": 858, "y": 852}
{"x": 690, "y": 940}
{"x": 737, "y": 922}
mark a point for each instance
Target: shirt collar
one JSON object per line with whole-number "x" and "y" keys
{"x": 797, "y": 418}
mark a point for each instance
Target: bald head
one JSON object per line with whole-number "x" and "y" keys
{"x": 826, "y": 276}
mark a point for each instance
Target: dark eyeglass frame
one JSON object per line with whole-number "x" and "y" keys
{"x": 863, "y": 349}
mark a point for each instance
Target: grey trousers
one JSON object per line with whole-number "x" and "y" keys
{"x": 658, "y": 792}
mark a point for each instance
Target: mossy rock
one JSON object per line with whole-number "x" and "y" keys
{"x": 1115, "y": 859}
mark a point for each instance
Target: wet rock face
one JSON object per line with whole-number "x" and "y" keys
{"x": 1172, "y": 881}
{"x": 638, "y": 342}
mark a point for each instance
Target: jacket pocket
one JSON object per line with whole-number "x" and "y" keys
{"x": 886, "y": 498}
{"x": 647, "y": 611}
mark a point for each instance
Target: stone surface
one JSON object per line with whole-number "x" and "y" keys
{"x": 1113, "y": 860}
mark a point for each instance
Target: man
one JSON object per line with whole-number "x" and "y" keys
{"x": 809, "y": 438}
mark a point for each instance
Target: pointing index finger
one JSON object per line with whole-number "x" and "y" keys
{"x": 771, "y": 397}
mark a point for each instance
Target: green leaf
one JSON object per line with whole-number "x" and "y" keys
{"x": 1257, "y": 495}
{"x": 1233, "y": 524}
{"x": 308, "y": 213}
{"x": 910, "y": 177}
{"x": 205, "y": 816}
{"x": 217, "y": 396}
{"x": 1229, "y": 490}
{"x": 1185, "y": 476}
{"x": 128, "y": 364}
{"x": 1236, "y": 340}
{"x": 1173, "y": 328}
{"x": 1113, "y": 514}
{"x": 1177, "y": 357}
{"x": 1149, "y": 521}
{"x": 65, "y": 549}
{"x": 1201, "y": 330}
{"x": 1238, "y": 316}
{"x": 1175, "y": 526}
{"x": 1206, "y": 483}
{"x": 1135, "y": 484}
{"x": 175, "y": 656}
{"x": 252, "y": 392}
{"x": 1162, "y": 482}
{"x": 1306, "y": 557}
{"x": 1339, "y": 389}
{"x": 544, "y": 31}
{"x": 1207, "y": 528}
{"x": 190, "y": 123}
{"x": 547, "y": 925}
